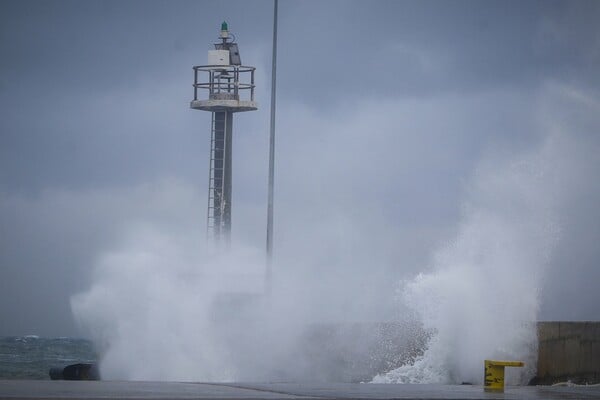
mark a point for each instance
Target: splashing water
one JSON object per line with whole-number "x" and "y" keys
{"x": 482, "y": 298}
{"x": 155, "y": 309}
{"x": 151, "y": 309}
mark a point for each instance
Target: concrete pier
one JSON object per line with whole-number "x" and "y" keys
{"x": 568, "y": 351}
{"x": 93, "y": 390}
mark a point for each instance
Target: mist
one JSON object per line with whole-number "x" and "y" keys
{"x": 165, "y": 305}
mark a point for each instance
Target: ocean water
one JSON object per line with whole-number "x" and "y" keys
{"x": 31, "y": 357}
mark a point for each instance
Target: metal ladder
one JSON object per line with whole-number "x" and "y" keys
{"x": 214, "y": 213}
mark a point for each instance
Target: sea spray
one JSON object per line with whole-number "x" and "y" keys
{"x": 159, "y": 307}
{"x": 151, "y": 309}
{"x": 482, "y": 297}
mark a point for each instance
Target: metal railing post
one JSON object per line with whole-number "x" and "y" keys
{"x": 195, "y": 83}
{"x": 252, "y": 84}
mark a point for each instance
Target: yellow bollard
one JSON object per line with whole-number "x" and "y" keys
{"x": 494, "y": 374}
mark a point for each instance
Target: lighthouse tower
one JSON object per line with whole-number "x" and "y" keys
{"x": 223, "y": 87}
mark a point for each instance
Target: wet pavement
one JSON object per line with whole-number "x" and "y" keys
{"x": 89, "y": 390}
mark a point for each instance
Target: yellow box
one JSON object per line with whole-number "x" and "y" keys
{"x": 494, "y": 374}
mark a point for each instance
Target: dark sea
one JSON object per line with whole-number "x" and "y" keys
{"x": 31, "y": 357}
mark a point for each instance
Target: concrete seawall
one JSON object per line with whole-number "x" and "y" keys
{"x": 356, "y": 352}
{"x": 568, "y": 351}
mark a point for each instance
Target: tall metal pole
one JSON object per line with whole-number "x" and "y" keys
{"x": 271, "y": 154}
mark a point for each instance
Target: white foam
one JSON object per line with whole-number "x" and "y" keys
{"x": 482, "y": 297}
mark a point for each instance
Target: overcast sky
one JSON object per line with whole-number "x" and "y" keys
{"x": 386, "y": 112}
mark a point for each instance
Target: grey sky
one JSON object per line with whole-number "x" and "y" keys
{"x": 386, "y": 111}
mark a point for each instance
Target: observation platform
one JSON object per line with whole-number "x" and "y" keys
{"x": 223, "y": 105}
{"x": 228, "y": 87}
{"x": 92, "y": 390}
